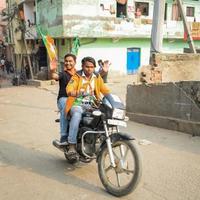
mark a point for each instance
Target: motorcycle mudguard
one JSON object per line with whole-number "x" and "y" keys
{"x": 115, "y": 137}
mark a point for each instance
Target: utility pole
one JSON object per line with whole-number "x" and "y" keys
{"x": 11, "y": 35}
{"x": 157, "y": 28}
{"x": 28, "y": 57}
{"x": 189, "y": 37}
{"x": 26, "y": 49}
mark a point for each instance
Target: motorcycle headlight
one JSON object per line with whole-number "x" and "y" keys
{"x": 118, "y": 114}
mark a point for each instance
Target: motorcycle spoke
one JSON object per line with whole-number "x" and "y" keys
{"x": 108, "y": 168}
{"x": 116, "y": 156}
{"x": 125, "y": 155}
{"x": 118, "y": 179}
{"x": 128, "y": 171}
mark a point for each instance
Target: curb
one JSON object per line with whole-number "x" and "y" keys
{"x": 40, "y": 83}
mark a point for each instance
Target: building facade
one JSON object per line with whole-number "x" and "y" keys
{"x": 2, "y": 29}
{"x": 118, "y": 30}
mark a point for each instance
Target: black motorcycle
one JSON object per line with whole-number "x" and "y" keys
{"x": 119, "y": 162}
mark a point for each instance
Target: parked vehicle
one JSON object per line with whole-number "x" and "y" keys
{"x": 116, "y": 153}
{"x": 19, "y": 78}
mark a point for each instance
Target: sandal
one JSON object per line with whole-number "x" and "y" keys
{"x": 71, "y": 153}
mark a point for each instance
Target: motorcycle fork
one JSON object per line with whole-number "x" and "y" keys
{"x": 109, "y": 145}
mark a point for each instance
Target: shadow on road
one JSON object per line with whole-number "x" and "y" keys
{"x": 44, "y": 164}
{"x": 23, "y": 105}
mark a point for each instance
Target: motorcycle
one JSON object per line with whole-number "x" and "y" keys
{"x": 99, "y": 137}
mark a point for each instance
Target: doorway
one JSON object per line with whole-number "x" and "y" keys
{"x": 133, "y": 60}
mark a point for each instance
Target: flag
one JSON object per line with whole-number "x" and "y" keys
{"x": 75, "y": 46}
{"x": 50, "y": 46}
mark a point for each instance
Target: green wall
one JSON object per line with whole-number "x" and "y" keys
{"x": 171, "y": 44}
{"x": 121, "y": 43}
{"x": 50, "y": 17}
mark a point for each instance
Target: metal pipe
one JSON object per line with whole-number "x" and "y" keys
{"x": 189, "y": 37}
{"x": 157, "y": 28}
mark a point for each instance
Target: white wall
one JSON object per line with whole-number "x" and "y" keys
{"x": 87, "y": 8}
{"x": 29, "y": 11}
{"x": 117, "y": 57}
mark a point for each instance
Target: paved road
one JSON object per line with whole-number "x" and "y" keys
{"x": 31, "y": 168}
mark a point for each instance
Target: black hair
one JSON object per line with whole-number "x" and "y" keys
{"x": 100, "y": 62}
{"x": 88, "y": 59}
{"x": 70, "y": 55}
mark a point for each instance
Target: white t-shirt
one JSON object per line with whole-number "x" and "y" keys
{"x": 2, "y": 62}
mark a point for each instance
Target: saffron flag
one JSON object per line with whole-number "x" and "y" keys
{"x": 50, "y": 46}
{"x": 51, "y": 49}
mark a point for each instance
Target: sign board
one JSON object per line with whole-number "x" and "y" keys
{"x": 195, "y": 31}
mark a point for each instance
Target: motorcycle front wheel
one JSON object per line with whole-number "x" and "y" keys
{"x": 122, "y": 179}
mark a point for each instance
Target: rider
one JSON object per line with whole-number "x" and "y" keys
{"x": 84, "y": 81}
{"x": 63, "y": 78}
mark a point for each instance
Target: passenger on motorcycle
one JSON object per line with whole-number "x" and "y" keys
{"x": 63, "y": 77}
{"x": 85, "y": 81}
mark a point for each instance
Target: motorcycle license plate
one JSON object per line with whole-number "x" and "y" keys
{"x": 117, "y": 122}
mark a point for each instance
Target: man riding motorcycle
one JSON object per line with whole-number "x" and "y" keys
{"x": 94, "y": 132}
{"x": 63, "y": 78}
{"x": 84, "y": 81}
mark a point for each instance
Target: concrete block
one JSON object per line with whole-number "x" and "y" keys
{"x": 39, "y": 83}
{"x": 168, "y": 105}
{"x": 190, "y": 127}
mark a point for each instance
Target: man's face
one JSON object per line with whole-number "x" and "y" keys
{"x": 88, "y": 68}
{"x": 69, "y": 63}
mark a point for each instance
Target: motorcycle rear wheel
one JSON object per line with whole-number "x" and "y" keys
{"x": 128, "y": 168}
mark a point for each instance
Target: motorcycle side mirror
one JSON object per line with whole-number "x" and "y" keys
{"x": 96, "y": 113}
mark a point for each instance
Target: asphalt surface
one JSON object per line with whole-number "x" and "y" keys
{"x": 31, "y": 168}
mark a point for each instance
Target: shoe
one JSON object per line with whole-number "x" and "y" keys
{"x": 57, "y": 144}
{"x": 63, "y": 140}
{"x": 71, "y": 153}
{"x": 57, "y": 120}
{"x": 72, "y": 148}
{"x": 63, "y": 143}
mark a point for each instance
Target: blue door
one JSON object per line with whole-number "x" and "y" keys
{"x": 133, "y": 60}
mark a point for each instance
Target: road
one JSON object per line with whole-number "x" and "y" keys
{"x": 31, "y": 168}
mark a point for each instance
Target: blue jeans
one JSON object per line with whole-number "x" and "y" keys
{"x": 76, "y": 115}
{"x": 63, "y": 118}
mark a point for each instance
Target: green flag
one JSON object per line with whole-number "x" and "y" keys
{"x": 75, "y": 46}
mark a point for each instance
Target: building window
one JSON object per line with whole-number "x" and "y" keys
{"x": 142, "y": 7}
{"x": 121, "y": 10}
{"x": 34, "y": 16}
{"x": 165, "y": 16}
{"x": 190, "y": 11}
{"x": 63, "y": 42}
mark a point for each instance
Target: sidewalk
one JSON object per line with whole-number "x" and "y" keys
{"x": 5, "y": 79}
